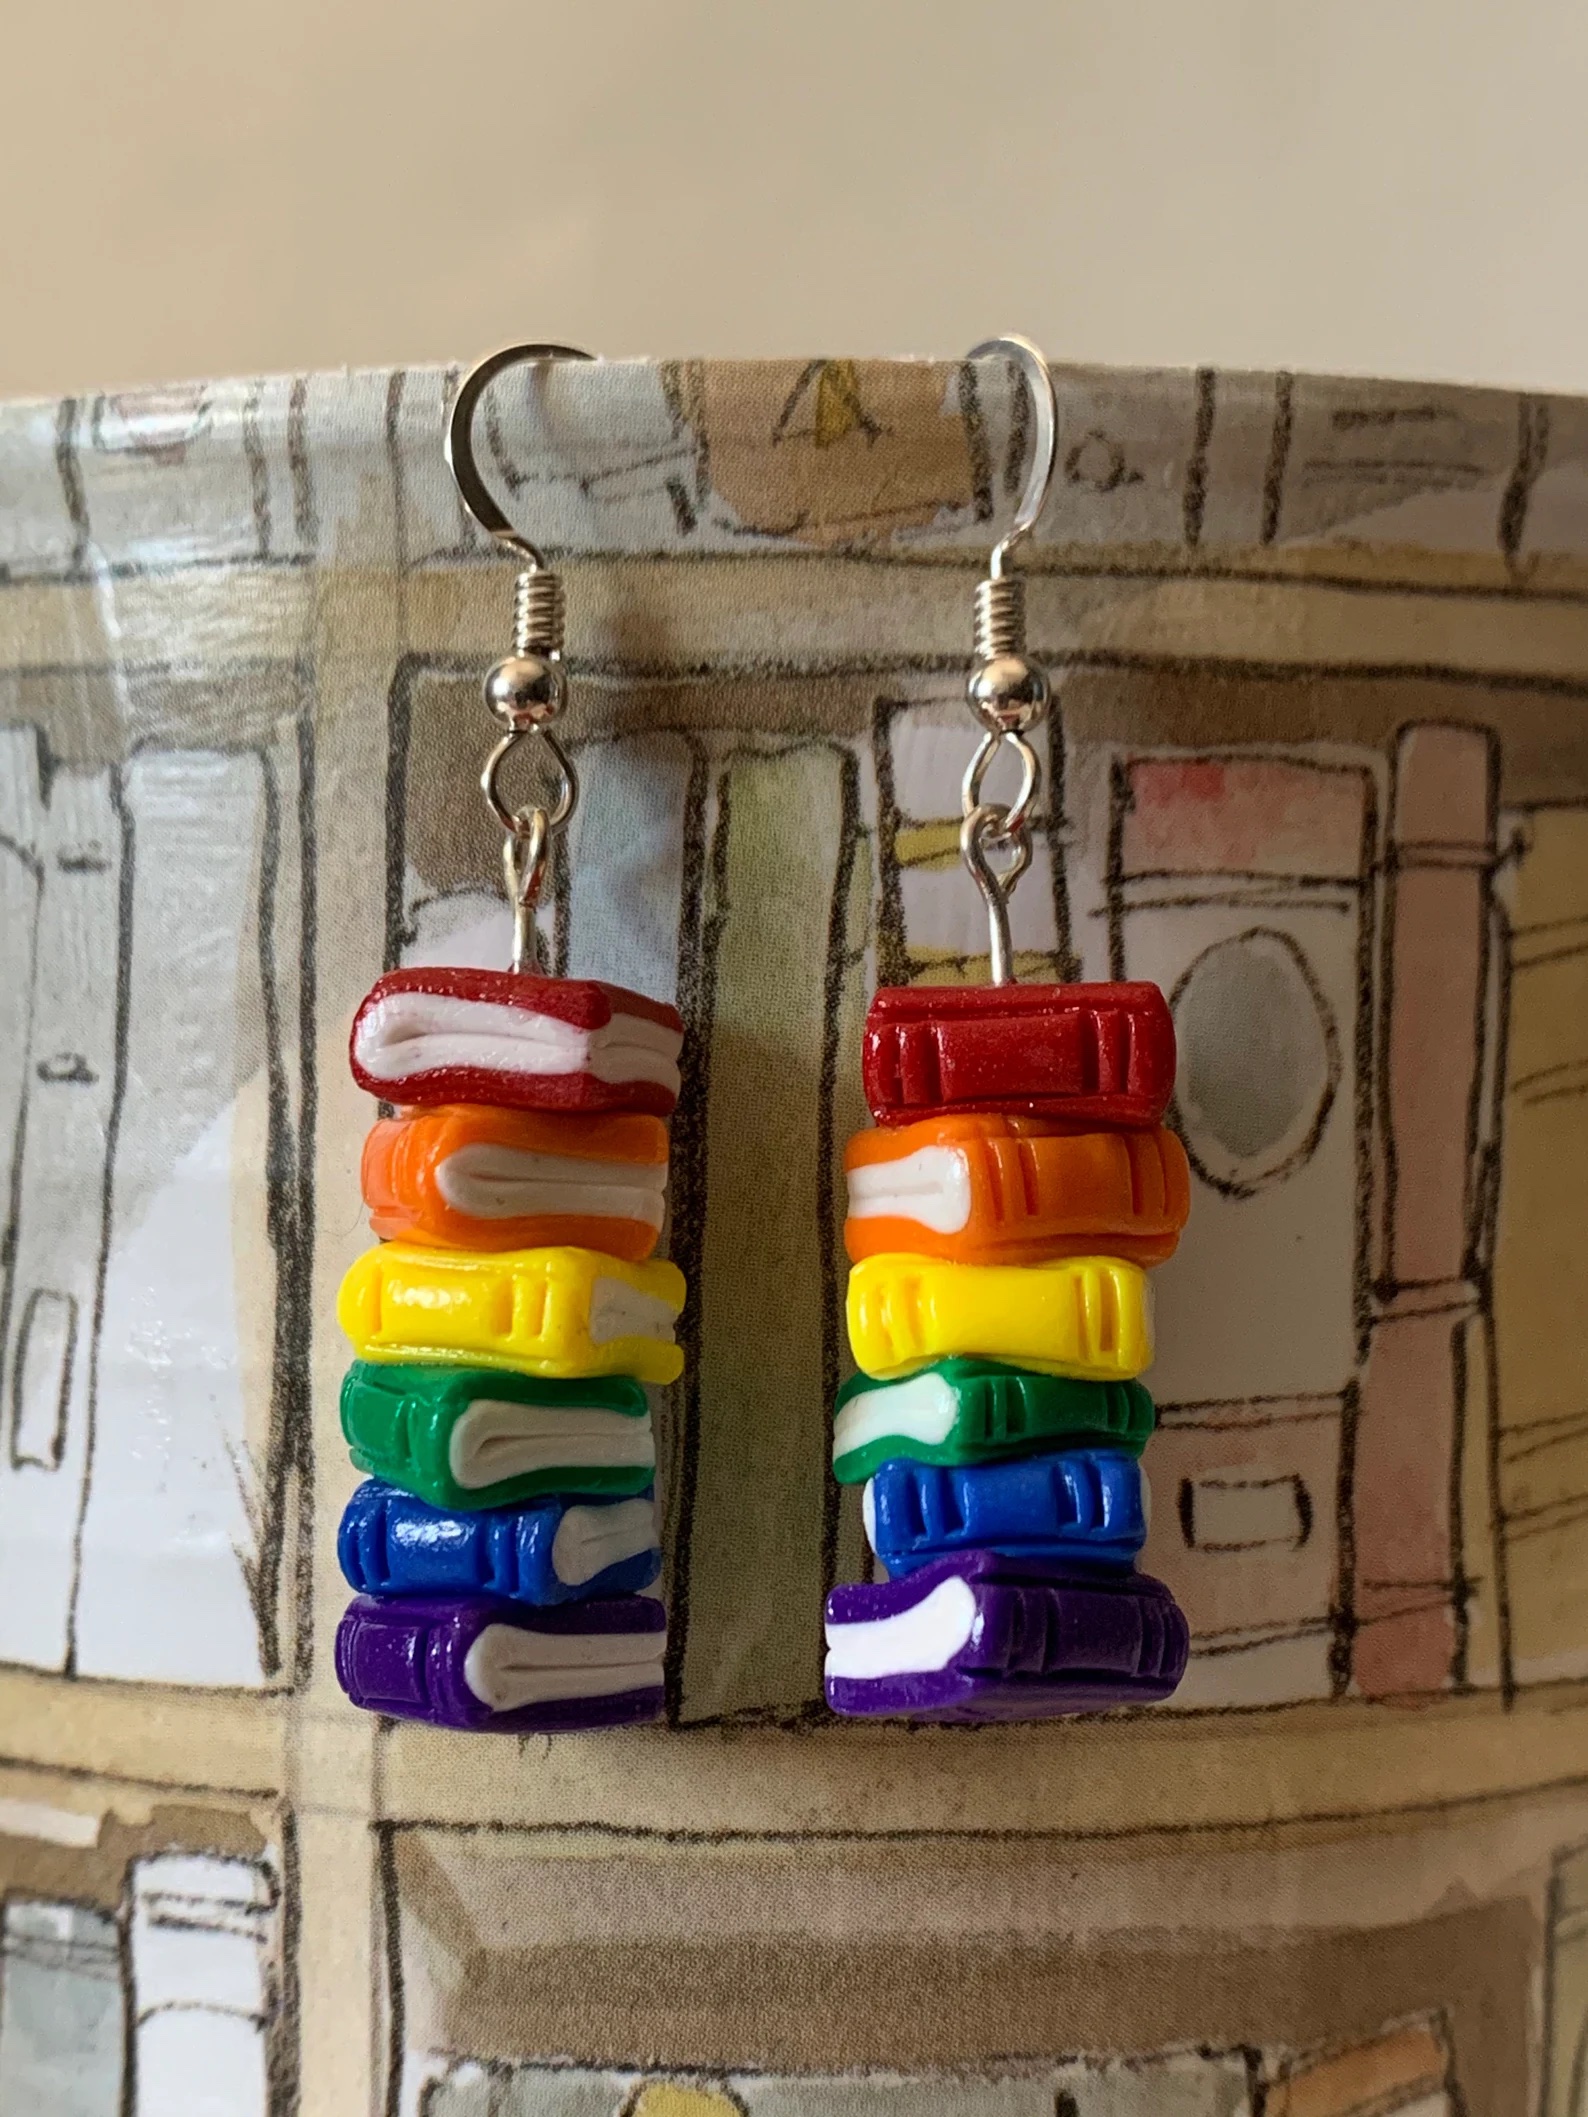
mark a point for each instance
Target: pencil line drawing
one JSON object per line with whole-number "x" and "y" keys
{"x": 1317, "y": 767}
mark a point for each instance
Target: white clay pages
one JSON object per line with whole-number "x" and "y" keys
{"x": 621, "y": 1311}
{"x": 931, "y": 1186}
{"x": 504, "y": 1183}
{"x": 405, "y": 1034}
{"x": 922, "y": 1408}
{"x": 915, "y": 1642}
{"x": 509, "y": 1666}
{"x": 589, "y": 1539}
{"x": 496, "y": 1439}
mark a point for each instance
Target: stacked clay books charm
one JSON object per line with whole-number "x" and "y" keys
{"x": 1002, "y": 1220}
{"x": 503, "y": 1549}
{"x": 504, "y": 1332}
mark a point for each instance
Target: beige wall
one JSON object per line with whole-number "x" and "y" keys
{"x": 193, "y": 187}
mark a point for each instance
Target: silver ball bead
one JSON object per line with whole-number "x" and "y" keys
{"x": 526, "y": 690}
{"x": 1008, "y": 693}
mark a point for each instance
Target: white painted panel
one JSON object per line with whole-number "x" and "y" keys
{"x": 628, "y": 852}
{"x": 168, "y": 1535}
{"x": 37, "y": 532}
{"x": 1265, "y": 1672}
{"x": 202, "y": 1933}
{"x": 19, "y": 921}
{"x": 464, "y": 928}
{"x": 47, "y": 1347}
{"x": 61, "y": 2013}
{"x": 173, "y": 474}
{"x": 1245, "y": 1513}
{"x": 943, "y": 908}
{"x": 59, "y": 1190}
{"x": 200, "y": 2065}
{"x": 929, "y": 748}
{"x": 21, "y": 790}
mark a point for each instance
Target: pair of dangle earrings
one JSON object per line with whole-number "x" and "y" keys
{"x": 1002, "y": 1213}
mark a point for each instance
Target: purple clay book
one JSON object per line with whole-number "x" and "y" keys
{"x": 981, "y": 1637}
{"x": 474, "y": 1662}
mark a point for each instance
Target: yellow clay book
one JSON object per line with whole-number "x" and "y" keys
{"x": 1090, "y": 1317}
{"x": 560, "y": 1313}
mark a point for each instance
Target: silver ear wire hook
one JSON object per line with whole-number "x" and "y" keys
{"x": 1008, "y": 691}
{"x": 529, "y": 688}
{"x": 458, "y": 444}
{"x": 1038, "y": 380}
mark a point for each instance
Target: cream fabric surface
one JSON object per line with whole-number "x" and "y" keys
{"x": 1320, "y": 759}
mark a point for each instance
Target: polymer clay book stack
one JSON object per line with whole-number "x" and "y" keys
{"x": 1002, "y": 1220}
{"x": 505, "y": 1329}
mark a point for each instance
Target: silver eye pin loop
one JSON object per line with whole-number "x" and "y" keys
{"x": 1007, "y": 690}
{"x": 528, "y": 689}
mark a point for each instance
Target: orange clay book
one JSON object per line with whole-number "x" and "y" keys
{"x": 463, "y": 1176}
{"x": 984, "y": 1189}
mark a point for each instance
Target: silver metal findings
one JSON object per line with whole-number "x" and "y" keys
{"x": 527, "y": 690}
{"x": 1008, "y": 692}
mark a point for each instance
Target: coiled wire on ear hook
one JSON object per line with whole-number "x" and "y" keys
{"x": 528, "y": 689}
{"x": 1008, "y": 691}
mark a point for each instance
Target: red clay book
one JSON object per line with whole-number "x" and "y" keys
{"x": 427, "y": 1036}
{"x": 1094, "y": 1055}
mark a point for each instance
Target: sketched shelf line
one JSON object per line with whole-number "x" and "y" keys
{"x": 1187, "y": 1772}
{"x": 630, "y": 619}
{"x": 229, "y": 1742}
{"x": 1096, "y": 1778}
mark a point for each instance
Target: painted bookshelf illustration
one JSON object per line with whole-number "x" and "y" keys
{"x": 152, "y": 1093}
{"x": 1406, "y": 2069}
{"x": 1325, "y": 920}
{"x": 1319, "y": 768}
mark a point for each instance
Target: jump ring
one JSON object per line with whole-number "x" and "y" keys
{"x": 1018, "y": 813}
{"x": 524, "y": 852}
{"x": 985, "y": 831}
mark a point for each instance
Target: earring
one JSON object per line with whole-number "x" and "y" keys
{"x": 513, "y": 1312}
{"x": 1001, "y": 1221}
